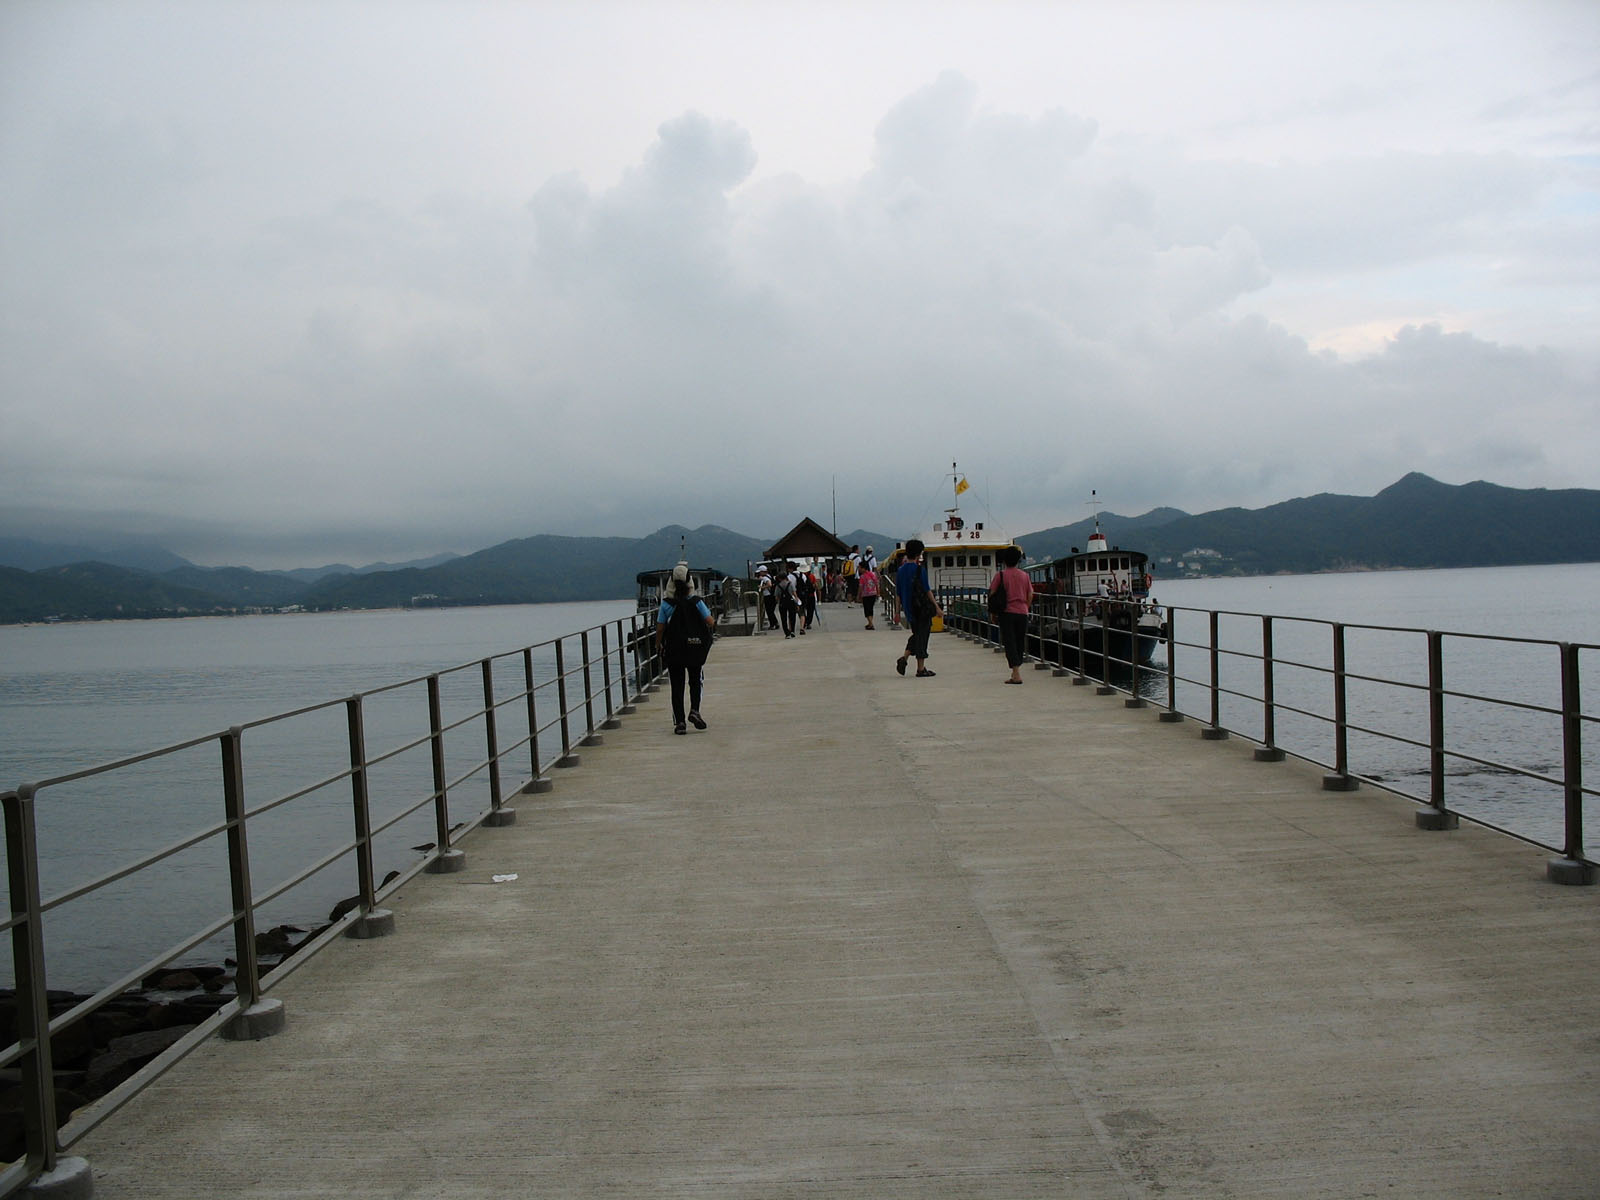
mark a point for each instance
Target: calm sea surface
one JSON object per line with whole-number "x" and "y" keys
{"x": 77, "y": 695}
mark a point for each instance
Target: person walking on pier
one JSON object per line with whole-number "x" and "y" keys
{"x": 867, "y": 589}
{"x": 1012, "y": 590}
{"x": 788, "y": 599}
{"x": 920, "y": 606}
{"x": 683, "y": 633}
{"x": 769, "y": 597}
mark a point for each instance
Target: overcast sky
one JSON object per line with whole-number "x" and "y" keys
{"x": 287, "y": 283}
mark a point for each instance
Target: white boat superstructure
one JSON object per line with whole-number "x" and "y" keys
{"x": 959, "y": 556}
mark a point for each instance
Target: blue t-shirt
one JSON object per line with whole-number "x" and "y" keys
{"x": 910, "y": 581}
{"x": 664, "y": 613}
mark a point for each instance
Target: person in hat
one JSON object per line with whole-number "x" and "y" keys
{"x": 682, "y": 666}
{"x": 769, "y": 595}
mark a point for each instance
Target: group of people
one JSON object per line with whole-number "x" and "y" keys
{"x": 789, "y": 602}
{"x": 1010, "y": 599}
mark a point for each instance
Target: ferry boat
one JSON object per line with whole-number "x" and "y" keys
{"x": 653, "y": 585}
{"x": 961, "y": 559}
{"x": 1098, "y": 598}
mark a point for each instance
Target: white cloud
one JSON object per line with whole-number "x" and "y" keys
{"x": 339, "y": 326}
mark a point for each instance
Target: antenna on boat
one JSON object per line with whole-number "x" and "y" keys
{"x": 1094, "y": 503}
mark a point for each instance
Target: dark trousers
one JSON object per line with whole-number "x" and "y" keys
{"x": 678, "y": 674}
{"x": 788, "y": 611}
{"x": 917, "y": 643}
{"x": 1014, "y": 637}
{"x": 771, "y": 603}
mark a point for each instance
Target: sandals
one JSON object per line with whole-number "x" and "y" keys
{"x": 926, "y": 674}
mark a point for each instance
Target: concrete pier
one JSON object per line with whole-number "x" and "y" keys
{"x": 877, "y": 936}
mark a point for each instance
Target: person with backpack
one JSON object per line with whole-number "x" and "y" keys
{"x": 806, "y": 589}
{"x": 788, "y": 599}
{"x": 683, "y": 634}
{"x": 920, "y": 606}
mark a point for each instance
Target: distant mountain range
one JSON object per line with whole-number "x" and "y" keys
{"x": 1416, "y": 522}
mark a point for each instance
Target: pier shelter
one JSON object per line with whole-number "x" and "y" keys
{"x": 875, "y": 936}
{"x": 807, "y": 540}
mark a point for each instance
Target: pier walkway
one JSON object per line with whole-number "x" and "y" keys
{"x": 874, "y": 936}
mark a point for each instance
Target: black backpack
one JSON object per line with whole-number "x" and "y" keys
{"x": 687, "y": 640}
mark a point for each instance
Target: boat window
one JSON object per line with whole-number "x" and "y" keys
{"x": 986, "y": 560}
{"x": 961, "y": 560}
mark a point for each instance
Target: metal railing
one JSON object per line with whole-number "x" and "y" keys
{"x": 616, "y": 664}
{"x": 1289, "y": 684}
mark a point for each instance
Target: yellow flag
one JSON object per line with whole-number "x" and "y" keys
{"x": 962, "y": 486}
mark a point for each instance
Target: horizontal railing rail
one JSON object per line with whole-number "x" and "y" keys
{"x": 556, "y": 696}
{"x": 1239, "y": 689}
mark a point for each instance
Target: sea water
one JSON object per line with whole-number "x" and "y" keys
{"x": 77, "y": 695}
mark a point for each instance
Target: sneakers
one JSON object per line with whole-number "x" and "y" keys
{"x": 697, "y": 720}
{"x": 679, "y": 727}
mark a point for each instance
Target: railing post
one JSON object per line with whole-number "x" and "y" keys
{"x": 1214, "y": 732}
{"x": 536, "y": 782}
{"x": 1081, "y": 611}
{"x": 38, "y": 1094}
{"x": 1134, "y": 700}
{"x": 1341, "y": 780}
{"x": 1170, "y": 713}
{"x": 626, "y": 708}
{"x": 498, "y": 814}
{"x": 638, "y": 640}
{"x": 371, "y": 921}
{"x": 1106, "y": 624}
{"x": 257, "y": 1018}
{"x": 1268, "y": 751}
{"x": 610, "y": 721}
{"x": 1570, "y": 868}
{"x": 1436, "y": 816}
{"x": 591, "y": 731}
{"x": 569, "y": 757}
{"x": 448, "y": 858}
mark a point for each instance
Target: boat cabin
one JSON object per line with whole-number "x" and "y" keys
{"x": 1081, "y": 573}
{"x": 653, "y": 584}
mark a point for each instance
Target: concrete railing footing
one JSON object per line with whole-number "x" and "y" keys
{"x": 375, "y": 924}
{"x": 1570, "y": 871}
{"x": 448, "y": 863}
{"x": 71, "y": 1180}
{"x": 261, "y": 1020}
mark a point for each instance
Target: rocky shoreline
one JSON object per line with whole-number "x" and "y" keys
{"x": 98, "y": 1053}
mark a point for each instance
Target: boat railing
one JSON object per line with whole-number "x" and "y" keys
{"x": 1426, "y": 714}
{"x": 457, "y": 735}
